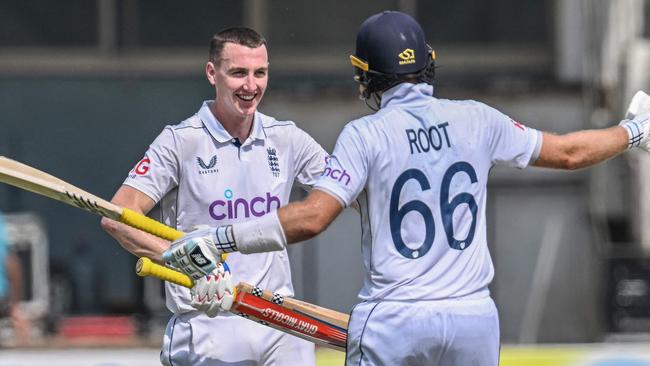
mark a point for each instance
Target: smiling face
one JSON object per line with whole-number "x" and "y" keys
{"x": 240, "y": 80}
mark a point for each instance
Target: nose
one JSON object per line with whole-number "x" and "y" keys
{"x": 250, "y": 83}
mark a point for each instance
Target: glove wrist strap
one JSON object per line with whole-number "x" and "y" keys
{"x": 635, "y": 131}
{"x": 264, "y": 234}
{"x": 224, "y": 240}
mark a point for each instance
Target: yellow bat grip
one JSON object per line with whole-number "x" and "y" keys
{"x": 145, "y": 267}
{"x": 146, "y": 224}
{"x": 142, "y": 222}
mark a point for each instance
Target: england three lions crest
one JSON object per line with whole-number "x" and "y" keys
{"x": 274, "y": 162}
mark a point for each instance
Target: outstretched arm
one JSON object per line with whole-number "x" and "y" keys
{"x": 195, "y": 253}
{"x": 581, "y": 149}
{"x": 305, "y": 219}
{"x": 585, "y": 148}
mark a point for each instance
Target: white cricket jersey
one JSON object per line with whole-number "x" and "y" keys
{"x": 419, "y": 169}
{"x": 202, "y": 176}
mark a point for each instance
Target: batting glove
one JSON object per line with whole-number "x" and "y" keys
{"x": 196, "y": 253}
{"x": 214, "y": 292}
{"x": 639, "y": 104}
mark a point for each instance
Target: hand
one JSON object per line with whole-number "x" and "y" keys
{"x": 196, "y": 253}
{"x": 639, "y": 104}
{"x": 214, "y": 292}
{"x": 638, "y": 130}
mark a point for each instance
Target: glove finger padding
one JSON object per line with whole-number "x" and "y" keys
{"x": 213, "y": 292}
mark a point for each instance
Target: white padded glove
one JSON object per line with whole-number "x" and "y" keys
{"x": 639, "y": 104}
{"x": 214, "y": 292}
{"x": 196, "y": 253}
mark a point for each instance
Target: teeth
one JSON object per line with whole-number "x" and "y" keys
{"x": 247, "y": 98}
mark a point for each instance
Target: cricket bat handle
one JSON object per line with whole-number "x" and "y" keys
{"x": 144, "y": 223}
{"x": 146, "y": 267}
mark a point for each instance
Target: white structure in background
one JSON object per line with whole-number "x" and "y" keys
{"x": 27, "y": 237}
{"x": 637, "y": 77}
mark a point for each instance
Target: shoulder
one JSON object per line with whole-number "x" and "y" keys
{"x": 371, "y": 122}
{"x": 191, "y": 128}
{"x": 469, "y": 105}
{"x": 187, "y": 126}
{"x": 270, "y": 123}
{"x": 185, "y": 134}
{"x": 468, "y": 110}
{"x": 283, "y": 130}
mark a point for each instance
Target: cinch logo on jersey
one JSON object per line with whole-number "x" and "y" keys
{"x": 336, "y": 174}
{"x": 234, "y": 208}
{"x": 407, "y": 56}
{"x": 209, "y": 167}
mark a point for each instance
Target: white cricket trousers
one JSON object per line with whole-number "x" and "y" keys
{"x": 440, "y": 333}
{"x": 194, "y": 339}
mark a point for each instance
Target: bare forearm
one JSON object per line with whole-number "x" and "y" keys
{"x": 306, "y": 219}
{"x": 137, "y": 242}
{"x": 581, "y": 149}
{"x": 297, "y": 222}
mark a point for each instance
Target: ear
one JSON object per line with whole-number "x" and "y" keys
{"x": 210, "y": 72}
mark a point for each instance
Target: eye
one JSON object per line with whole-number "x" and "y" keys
{"x": 238, "y": 73}
{"x": 260, "y": 73}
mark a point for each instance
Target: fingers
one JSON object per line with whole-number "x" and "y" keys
{"x": 227, "y": 301}
{"x": 639, "y": 104}
{"x": 213, "y": 292}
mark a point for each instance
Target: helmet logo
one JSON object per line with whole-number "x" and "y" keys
{"x": 407, "y": 56}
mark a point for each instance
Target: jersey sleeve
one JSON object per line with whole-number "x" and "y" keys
{"x": 510, "y": 142}
{"x": 346, "y": 170}
{"x": 309, "y": 158}
{"x": 158, "y": 171}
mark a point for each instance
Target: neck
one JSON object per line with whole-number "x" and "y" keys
{"x": 237, "y": 126}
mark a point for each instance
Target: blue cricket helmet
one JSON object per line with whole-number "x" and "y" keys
{"x": 392, "y": 43}
{"x": 389, "y": 45}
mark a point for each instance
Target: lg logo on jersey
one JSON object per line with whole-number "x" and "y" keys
{"x": 141, "y": 168}
{"x": 233, "y": 208}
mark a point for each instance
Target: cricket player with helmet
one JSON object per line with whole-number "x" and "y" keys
{"x": 224, "y": 164}
{"x": 418, "y": 169}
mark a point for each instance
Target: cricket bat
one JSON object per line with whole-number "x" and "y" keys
{"x": 320, "y": 325}
{"x": 33, "y": 180}
{"x": 313, "y": 323}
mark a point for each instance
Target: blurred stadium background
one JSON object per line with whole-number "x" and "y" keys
{"x": 86, "y": 85}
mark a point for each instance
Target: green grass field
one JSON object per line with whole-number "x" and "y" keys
{"x": 598, "y": 354}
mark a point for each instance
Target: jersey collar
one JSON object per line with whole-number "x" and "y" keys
{"x": 406, "y": 93}
{"x": 219, "y": 133}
